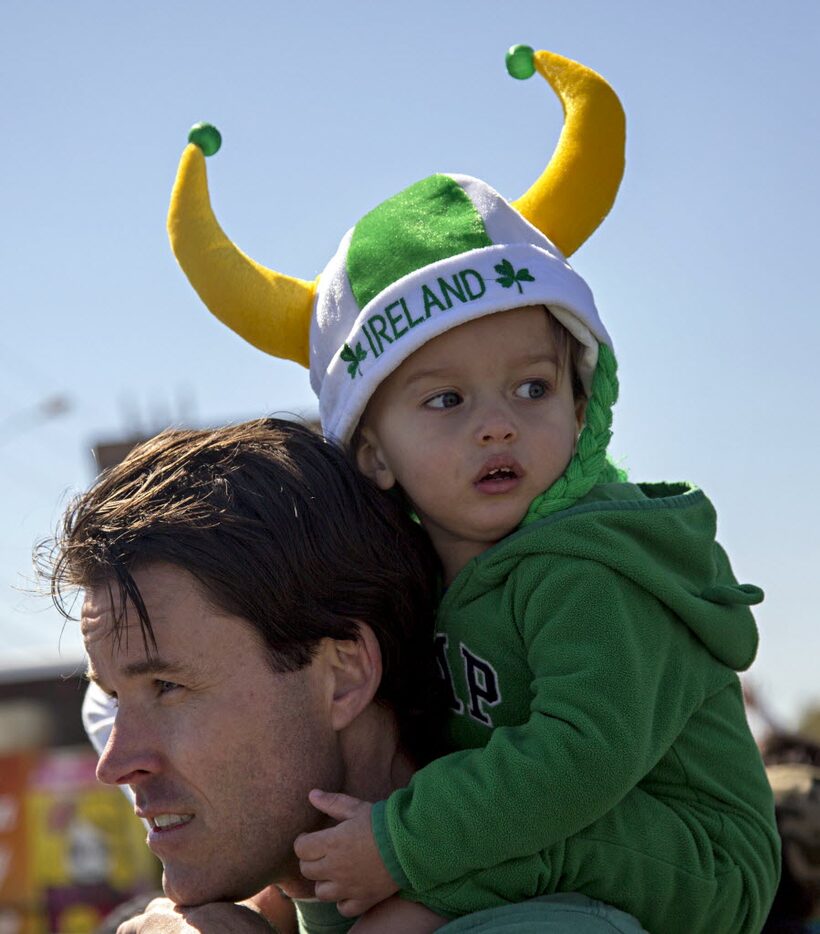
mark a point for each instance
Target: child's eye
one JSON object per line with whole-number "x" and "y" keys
{"x": 532, "y": 389}
{"x": 444, "y": 400}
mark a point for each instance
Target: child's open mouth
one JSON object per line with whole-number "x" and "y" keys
{"x": 498, "y": 475}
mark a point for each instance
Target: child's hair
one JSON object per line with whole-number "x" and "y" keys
{"x": 280, "y": 529}
{"x": 570, "y": 350}
{"x": 590, "y": 464}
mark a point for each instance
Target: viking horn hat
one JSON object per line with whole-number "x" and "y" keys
{"x": 434, "y": 247}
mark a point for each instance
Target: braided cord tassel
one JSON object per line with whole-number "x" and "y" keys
{"x": 589, "y": 461}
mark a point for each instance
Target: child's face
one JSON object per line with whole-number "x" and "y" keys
{"x": 473, "y": 426}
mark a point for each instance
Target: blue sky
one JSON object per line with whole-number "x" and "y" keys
{"x": 706, "y": 271}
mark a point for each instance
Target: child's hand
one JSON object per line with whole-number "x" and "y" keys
{"x": 344, "y": 860}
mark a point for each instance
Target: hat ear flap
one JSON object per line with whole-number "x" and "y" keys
{"x": 576, "y": 190}
{"x": 270, "y": 310}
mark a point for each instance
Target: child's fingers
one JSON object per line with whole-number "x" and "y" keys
{"x": 335, "y": 804}
{"x": 327, "y": 891}
{"x": 353, "y": 907}
{"x": 313, "y": 869}
{"x": 311, "y": 846}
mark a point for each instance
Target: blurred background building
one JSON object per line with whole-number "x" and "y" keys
{"x": 71, "y": 849}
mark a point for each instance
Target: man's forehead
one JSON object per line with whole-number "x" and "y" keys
{"x": 99, "y": 611}
{"x": 118, "y": 647}
{"x": 187, "y": 632}
{"x": 104, "y": 611}
{"x": 162, "y": 588}
{"x": 112, "y": 636}
{"x": 110, "y": 623}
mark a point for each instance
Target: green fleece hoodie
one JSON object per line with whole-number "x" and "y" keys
{"x": 603, "y": 742}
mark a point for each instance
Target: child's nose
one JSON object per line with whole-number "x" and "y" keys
{"x": 496, "y": 426}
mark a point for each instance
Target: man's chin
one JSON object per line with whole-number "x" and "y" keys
{"x": 188, "y": 892}
{"x": 188, "y": 889}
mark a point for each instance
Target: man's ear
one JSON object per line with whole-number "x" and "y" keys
{"x": 372, "y": 461}
{"x": 355, "y": 666}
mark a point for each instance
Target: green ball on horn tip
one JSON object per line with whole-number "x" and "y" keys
{"x": 520, "y": 62}
{"x": 206, "y": 136}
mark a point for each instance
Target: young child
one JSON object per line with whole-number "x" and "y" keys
{"x": 591, "y": 629}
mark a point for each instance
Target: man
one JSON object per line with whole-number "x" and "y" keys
{"x": 247, "y": 595}
{"x": 261, "y": 617}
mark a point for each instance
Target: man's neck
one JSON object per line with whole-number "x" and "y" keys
{"x": 375, "y": 765}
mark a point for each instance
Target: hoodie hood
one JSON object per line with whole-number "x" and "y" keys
{"x": 659, "y": 536}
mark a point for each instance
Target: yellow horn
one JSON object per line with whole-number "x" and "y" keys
{"x": 578, "y": 187}
{"x": 270, "y": 310}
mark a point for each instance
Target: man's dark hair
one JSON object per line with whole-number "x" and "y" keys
{"x": 279, "y": 528}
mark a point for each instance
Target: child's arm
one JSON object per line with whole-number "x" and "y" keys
{"x": 610, "y": 693}
{"x": 602, "y": 670}
{"x": 398, "y": 916}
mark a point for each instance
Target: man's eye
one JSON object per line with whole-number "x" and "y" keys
{"x": 165, "y": 687}
{"x": 444, "y": 400}
{"x": 532, "y": 389}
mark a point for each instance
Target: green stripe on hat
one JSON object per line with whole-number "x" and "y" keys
{"x": 423, "y": 224}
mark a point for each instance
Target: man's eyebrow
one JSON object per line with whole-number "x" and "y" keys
{"x": 145, "y": 666}
{"x": 152, "y": 666}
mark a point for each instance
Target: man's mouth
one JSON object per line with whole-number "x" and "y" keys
{"x": 162, "y": 822}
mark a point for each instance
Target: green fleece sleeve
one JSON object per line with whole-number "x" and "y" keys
{"x": 645, "y": 857}
{"x": 614, "y": 678}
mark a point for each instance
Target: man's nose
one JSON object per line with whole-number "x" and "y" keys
{"x": 130, "y": 754}
{"x": 495, "y": 425}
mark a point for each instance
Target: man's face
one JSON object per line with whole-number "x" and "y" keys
{"x": 220, "y": 751}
